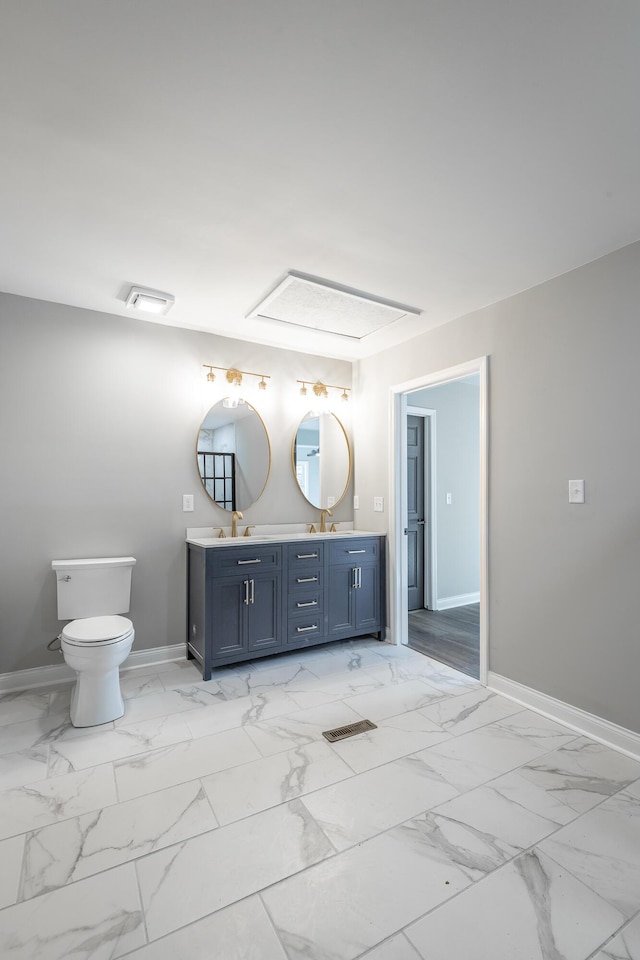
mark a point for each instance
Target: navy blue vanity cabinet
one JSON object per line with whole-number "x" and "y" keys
{"x": 238, "y": 616}
{"x": 247, "y": 601}
{"x": 306, "y": 621}
{"x": 355, "y": 587}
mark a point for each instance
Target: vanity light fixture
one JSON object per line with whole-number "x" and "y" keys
{"x": 150, "y": 301}
{"x": 233, "y": 376}
{"x": 321, "y": 390}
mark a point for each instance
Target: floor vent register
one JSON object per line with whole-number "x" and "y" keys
{"x": 351, "y": 730}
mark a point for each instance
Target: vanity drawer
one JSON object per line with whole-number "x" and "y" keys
{"x": 305, "y": 629}
{"x": 304, "y": 554}
{"x": 303, "y": 580}
{"x": 306, "y": 602}
{"x": 355, "y": 551}
{"x": 237, "y": 560}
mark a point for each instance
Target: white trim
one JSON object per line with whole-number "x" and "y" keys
{"x": 619, "y": 738}
{"x": 447, "y": 603}
{"x": 61, "y": 673}
{"x": 398, "y": 574}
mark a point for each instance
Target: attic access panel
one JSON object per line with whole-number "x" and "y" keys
{"x": 317, "y": 304}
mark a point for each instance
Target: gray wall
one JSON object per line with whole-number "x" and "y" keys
{"x": 457, "y": 407}
{"x": 563, "y": 404}
{"x": 98, "y": 420}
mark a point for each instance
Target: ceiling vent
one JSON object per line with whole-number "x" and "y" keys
{"x": 316, "y": 304}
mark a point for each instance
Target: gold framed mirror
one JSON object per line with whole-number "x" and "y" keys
{"x": 233, "y": 454}
{"x": 321, "y": 458}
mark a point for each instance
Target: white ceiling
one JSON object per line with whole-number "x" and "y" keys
{"x": 441, "y": 153}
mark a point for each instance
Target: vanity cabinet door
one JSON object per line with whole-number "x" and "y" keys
{"x": 263, "y": 612}
{"x": 354, "y": 589}
{"x": 341, "y": 601}
{"x": 246, "y": 614}
{"x": 228, "y": 617}
{"x": 367, "y": 599}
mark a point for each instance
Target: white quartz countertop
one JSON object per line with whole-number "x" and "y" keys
{"x": 197, "y": 537}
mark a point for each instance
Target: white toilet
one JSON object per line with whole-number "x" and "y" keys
{"x": 91, "y": 593}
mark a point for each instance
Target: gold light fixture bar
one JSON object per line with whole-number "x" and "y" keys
{"x": 234, "y": 376}
{"x": 321, "y": 389}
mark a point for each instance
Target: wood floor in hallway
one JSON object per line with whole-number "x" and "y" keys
{"x": 450, "y": 636}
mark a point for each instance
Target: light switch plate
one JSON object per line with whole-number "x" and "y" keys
{"x": 356, "y": 502}
{"x": 576, "y": 491}
{"x": 378, "y": 504}
{"x": 331, "y": 501}
{"x": 187, "y": 502}
{"x": 449, "y": 499}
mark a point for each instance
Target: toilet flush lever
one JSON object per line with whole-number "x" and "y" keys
{"x": 66, "y": 579}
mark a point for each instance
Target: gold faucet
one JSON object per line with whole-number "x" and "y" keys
{"x": 247, "y": 532}
{"x": 235, "y": 516}
{"x": 323, "y": 520}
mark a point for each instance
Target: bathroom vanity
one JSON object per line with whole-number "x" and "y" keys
{"x": 251, "y": 597}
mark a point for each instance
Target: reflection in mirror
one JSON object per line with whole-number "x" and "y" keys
{"x": 322, "y": 459}
{"x": 234, "y": 455}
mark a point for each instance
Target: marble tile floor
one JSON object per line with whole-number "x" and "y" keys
{"x": 214, "y": 821}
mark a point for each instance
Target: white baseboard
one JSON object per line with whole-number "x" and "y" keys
{"x": 626, "y": 741}
{"x": 61, "y": 673}
{"x": 462, "y": 600}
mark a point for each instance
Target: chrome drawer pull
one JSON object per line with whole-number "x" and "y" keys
{"x": 306, "y": 556}
{"x": 312, "y": 603}
{"x": 247, "y": 561}
{"x": 356, "y": 551}
{"x": 307, "y": 629}
{"x": 306, "y": 579}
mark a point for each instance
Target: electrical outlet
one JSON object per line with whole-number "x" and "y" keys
{"x": 449, "y": 499}
{"x": 356, "y": 502}
{"x": 187, "y": 502}
{"x": 331, "y": 501}
{"x": 576, "y": 491}
{"x": 378, "y": 504}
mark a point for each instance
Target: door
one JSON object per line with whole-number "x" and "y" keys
{"x": 340, "y": 599}
{"x": 263, "y": 611}
{"x": 415, "y": 512}
{"x": 367, "y": 598}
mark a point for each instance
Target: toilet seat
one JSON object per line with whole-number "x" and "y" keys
{"x": 97, "y": 631}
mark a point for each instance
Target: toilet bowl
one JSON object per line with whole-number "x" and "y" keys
{"x": 95, "y": 647}
{"x": 94, "y": 644}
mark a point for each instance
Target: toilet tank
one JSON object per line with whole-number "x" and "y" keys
{"x": 94, "y": 587}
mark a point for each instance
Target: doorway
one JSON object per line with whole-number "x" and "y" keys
{"x": 460, "y": 613}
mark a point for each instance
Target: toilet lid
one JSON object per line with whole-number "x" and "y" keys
{"x": 96, "y": 629}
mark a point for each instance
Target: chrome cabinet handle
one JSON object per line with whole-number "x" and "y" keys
{"x": 357, "y": 578}
{"x": 246, "y": 592}
{"x": 306, "y": 556}
{"x": 311, "y": 603}
{"x": 314, "y": 626}
{"x": 240, "y": 562}
{"x": 306, "y": 579}
{"x": 253, "y": 591}
{"x": 356, "y": 551}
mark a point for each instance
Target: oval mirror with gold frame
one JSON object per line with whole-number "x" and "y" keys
{"x": 233, "y": 454}
{"x": 321, "y": 457}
